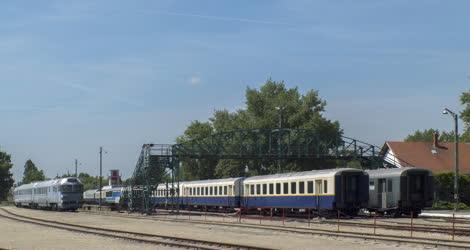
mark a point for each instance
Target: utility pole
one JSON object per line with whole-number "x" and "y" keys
{"x": 76, "y": 168}
{"x": 456, "y": 157}
{"x": 280, "y": 109}
{"x": 101, "y": 176}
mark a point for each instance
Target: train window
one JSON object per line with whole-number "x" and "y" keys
{"x": 190, "y": 191}
{"x": 285, "y": 188}
{"x": 198, "y": 191}
{"x": 252, "y": 189}
{"x": 220, "y": 190}
{"x": 325, "y": 186}
{"x": 230, "y": 189}
{"x": 389, "y": 186}
{"x": 271, "y": 188}
{"x": 225, "y": 190}
{"x": 258, "y": 189}
{"x": 278, "y": 188}
{"x": 265, "y": 188}
{"x": 210, "y": 191}
{"x": 293, "y": 187}
{"x": 310, "y": 187}
{"x": 301, "y": 187}
{"x": 206, "y": 191}
{"x": 216, "y": 190}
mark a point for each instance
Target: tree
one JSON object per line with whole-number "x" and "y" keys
{"x": 91, "y": 182}
{"x": 465, "y": 115}
{"x": 32, "y": 173}
{"x": 6, "y": 178}
{"x": 268, "y": 107}
{"x": 427, "y": 135}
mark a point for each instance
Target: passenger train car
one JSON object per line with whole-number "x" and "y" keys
{"x": 58, "y": 194}
{"x": 400, "y": 190}
{"x": 110, "y": 195}
{"x": 341, "y": 189}
{"x": 219, "y": 193}
{"x": 335, "y": 189}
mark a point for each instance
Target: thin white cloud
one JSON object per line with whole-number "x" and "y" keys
{"x": 194, "y": 81}
{"x": 117, "y": 98}
{"x": 218, "y": 18}
{"x": 79, "y": 87}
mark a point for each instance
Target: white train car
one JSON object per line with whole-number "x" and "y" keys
{"x": 58, "y": 194}
{"x": 218, "y": 193}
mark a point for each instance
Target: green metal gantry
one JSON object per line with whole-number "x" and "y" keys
{"x": 156, "y": 160}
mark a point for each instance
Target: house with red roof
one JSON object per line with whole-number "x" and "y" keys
{"x": 435, "y": 156}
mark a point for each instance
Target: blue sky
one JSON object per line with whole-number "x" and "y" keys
{"x": 76, "y": 75}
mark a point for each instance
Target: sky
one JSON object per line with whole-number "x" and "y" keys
{"x": 77, "y": 75}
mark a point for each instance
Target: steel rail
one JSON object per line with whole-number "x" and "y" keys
{"x": 322, "y": 232}
{"x": 171, "y": 241}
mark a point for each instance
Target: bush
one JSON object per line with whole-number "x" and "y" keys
{"x": 444, "y": 188}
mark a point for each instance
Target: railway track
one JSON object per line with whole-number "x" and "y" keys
{"x": 153, "y": 239}
{"x": 436, "y": 242}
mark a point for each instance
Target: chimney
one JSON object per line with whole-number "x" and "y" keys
{"x": 435, "y": 140}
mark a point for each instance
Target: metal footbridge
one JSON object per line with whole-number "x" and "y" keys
{"x": 162, "y": 161}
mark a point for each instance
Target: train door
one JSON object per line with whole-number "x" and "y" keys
{"x": 382, "y": 193}
{"x": 318, "y": 192}
{"x": 416, "y": 184}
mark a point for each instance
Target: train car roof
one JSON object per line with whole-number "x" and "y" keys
{"x": 296, "y": 175}
{"x": 226, "y": 181}
{"x": 46, "y": 183}
{"x": 394, "y": 172}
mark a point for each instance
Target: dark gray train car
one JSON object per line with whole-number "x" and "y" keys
{"x": 397, "y": 191}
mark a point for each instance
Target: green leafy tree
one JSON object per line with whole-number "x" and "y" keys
{"x": 271, "y": 106}
{"x": 91, "y": 182}
{"x": 427, "y": 135}
{"x": 197, "y": 168}
{"x": 6, "y": 178}
{"x": 465, "y": 115}
{"x": 32, "y": 173}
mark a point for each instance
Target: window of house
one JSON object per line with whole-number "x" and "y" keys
{"x": 271, "y": 188}
{"x": 293, "y": 187}
{"x": 285, "y": 188}
{"x": 301, "y": 187}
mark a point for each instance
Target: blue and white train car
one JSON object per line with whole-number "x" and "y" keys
{"x": 114, "y": 195}
{"x": 343, "y": 189}
{"x": 58, "y": 194}
{"x": 216, "y": 193}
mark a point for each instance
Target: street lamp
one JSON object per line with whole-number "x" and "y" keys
{"x": 447, "y": 111}
{"x": 280, "y": 109}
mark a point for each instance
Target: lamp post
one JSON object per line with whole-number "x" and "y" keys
{"x": 280, "y": 109}
{"x": 456, "y": 156}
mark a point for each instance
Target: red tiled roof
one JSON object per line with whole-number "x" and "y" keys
{"x": 419, "y": 154}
